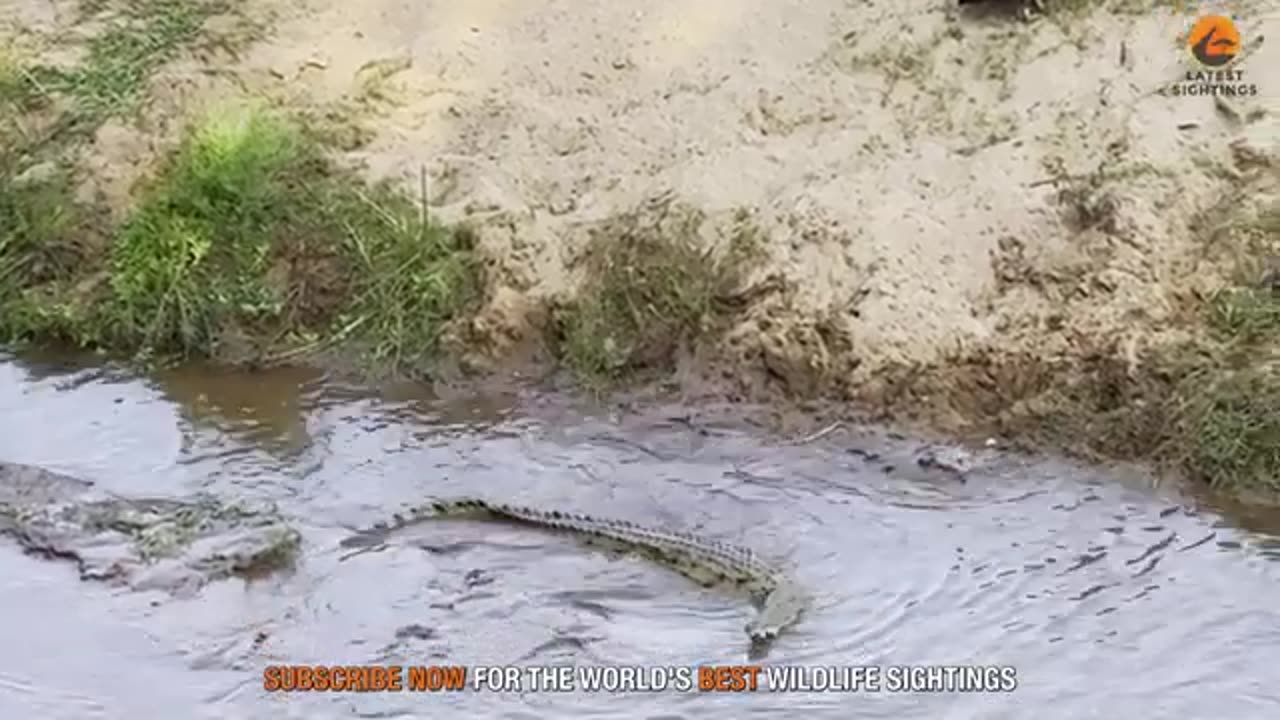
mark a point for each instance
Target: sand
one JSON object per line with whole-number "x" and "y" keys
{"x": 901, "y": 156}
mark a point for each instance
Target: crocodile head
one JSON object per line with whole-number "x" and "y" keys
{"x": 781, "y": 609}
{"x": 155, "y": 544}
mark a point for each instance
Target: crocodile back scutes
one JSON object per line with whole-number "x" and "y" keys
{"x": 706, "y": 560}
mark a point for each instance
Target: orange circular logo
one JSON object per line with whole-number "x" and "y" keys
{"x": 1214, "y": 40}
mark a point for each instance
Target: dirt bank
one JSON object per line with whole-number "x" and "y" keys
{"x": 950, "y": 218}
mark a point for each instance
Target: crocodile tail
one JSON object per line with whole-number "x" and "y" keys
{"x": 457, "y": 507}
{"x": 378, "y": 532}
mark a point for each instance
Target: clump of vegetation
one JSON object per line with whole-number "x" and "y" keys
{"x": 39, "y": 218}
{"x": 45, "y": 233}
{"x": 1202, "y": 399}
{"x": 1211, "y": 405}
{"x": 247, "y": 231}
{"x": 409, "y": 277}
{"x": 11, "y": 84}
{"x": 249, "y": 195}
{"x": 1231, "y": 405}
{"x": 1216, "y": 399}
{"x": 140, "y": 37}
{"x": 650, "y": 290}
{"x": 1249, "y": 312}
{"x": 40, "y": 252}
{"x": 194, "y": 255}
{"x": 1231, "y": 422}
{"x": 250, "y": 229}
{"x": 1246, "y": 314}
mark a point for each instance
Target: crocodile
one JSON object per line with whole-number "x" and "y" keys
{"x": 708, "y": 562}
{"x": 166, "y": 544}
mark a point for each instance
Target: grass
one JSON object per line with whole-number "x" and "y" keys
{"x": 39, "y": 254}
{"x": 1232, "y": 424}
{"x": 275, "y": 203}
{"x": 1201, "y": 398}
{"x": 1219, "y": 396}
{"x": 194, "y": 255}
{"x": 650, "y": 291}
{"x": 411, "y": 277}
{"x": 12, "y": 82}
{"x": 44, "y": 229}
{"x": 1213, "y": 404}
{"x": 1246, "y": 314}
{"x": 36, "y": 218}
{"x": 248, "y": 229}
{"x": 1230, "y": 407}
{"x": 40, "y": 221}
{"x": 140, "y": 37}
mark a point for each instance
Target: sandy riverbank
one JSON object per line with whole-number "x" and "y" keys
{"x": 964, "y": 221}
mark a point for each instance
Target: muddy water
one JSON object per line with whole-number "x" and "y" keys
{"x": 1110, "y": 599}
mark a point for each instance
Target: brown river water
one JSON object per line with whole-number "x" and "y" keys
{"x": 1109, "y": 598}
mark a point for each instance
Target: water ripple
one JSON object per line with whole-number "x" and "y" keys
{"x": 1073, "y": 576}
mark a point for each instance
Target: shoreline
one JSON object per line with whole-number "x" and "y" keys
{"x": 1073, "y": 271}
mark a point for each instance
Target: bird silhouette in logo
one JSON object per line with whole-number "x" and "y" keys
{"x": 1215, "y": 41}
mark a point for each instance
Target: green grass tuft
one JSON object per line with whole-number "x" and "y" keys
{"x": 139, "y": 39}
{"x": 194, "y": 256}
{"x": 411, "y": 277}
{"x": 247, "y": 231}
{"x": 44, "y": 230}
{"x": 250, "y": 224}
{"x": 37, "y": 218}
{"x": 40, "y": 229}
{"x": 650, "y": 289}
{"x": 1230, "y": 403}
{"x": 1246, "y": 314}
{"x": 1233, "y": 424}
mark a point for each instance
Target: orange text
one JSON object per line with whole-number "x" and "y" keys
{"x": 729, "y": 678}
{"x": 363, "y": 678}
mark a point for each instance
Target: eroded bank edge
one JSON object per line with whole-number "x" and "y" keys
{"x": 250, "y": 244}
